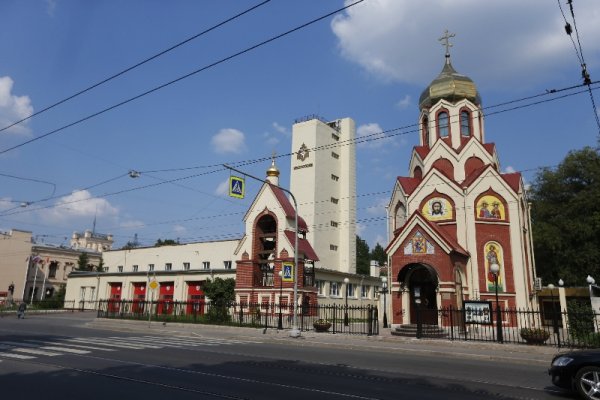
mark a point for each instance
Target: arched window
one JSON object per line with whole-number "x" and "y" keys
{"x": 425, "y": 129}
{"x": 465, "y": 123}
{"x": 443, "y": 127}
{"x": 400, "y": 216}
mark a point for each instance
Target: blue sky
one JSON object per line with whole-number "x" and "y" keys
{"x": 370, "y": 63}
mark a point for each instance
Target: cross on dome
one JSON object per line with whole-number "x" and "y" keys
{"x": 446, "y": 41}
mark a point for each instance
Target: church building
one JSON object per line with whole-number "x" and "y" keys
{"x": 459, "y": 227}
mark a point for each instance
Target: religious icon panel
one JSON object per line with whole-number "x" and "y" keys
{"x": 494, "y": 255}
{"x": 437, "y": 209}
{"x": 490, "y": 207}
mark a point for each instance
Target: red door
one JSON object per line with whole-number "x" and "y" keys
{"x": 114, "y": 301}
{"x": 139, "y": 297}
{"x": 195, "y": 298}
{"x": 165, "y": 298}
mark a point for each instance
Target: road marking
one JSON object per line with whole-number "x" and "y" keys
{"x": 18, "y": 356}
{"x": 65, "y": 349}
{"x": 62, "y": 343}
{"x": 111, "y": 344}
{"x": 170, "y": 342}
{"x": 37, "y": 352}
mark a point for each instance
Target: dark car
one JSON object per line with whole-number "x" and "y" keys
{"x": 578, "y": 370}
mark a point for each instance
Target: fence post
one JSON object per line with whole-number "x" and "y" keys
{"x": 241, "y": 314}
{"x": 369, "y": 321}
{"x": 451, "y": 312}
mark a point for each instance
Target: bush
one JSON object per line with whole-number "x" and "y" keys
{"x": 535, "y": 334}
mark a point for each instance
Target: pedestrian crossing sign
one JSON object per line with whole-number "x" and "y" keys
{"x": 288, "y": 272}
{"x": 237, "y": 187}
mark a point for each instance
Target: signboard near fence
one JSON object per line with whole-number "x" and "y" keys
{"x": 478, "y": 312}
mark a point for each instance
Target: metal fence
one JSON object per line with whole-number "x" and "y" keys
{"x": 550, "y": 327}
{"x": 337, "y": 318}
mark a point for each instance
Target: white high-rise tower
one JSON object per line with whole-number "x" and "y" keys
{"x": 323, "y": 180}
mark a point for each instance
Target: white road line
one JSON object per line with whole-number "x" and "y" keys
{"x": 37, "y": 352}
{"x": 18, "y": 356}
{"x": 65, "y": 349}
{"x": 109, "y": 344}
{"x": 62, "y": 343}
{"x": 170, "y": 342}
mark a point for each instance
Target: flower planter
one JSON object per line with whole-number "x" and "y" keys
{"x": 321, "y": 325}
{"x": 534, "y": 336}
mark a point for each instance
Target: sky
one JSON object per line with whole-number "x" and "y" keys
{"x": 231, "y": 101}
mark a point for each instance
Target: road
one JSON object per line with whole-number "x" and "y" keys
{"x": 61, "y": 357}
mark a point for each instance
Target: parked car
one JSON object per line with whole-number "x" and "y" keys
{"x": 578, "y": 370}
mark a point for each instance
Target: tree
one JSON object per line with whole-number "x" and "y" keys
{"x": 166, "y": 242}
{"x": 130, "y": 245}
{"x": 566, "y": 219}
{"x": 363, "y": 258}
{"x": 83, "y": 262}
{"x": 378, "y": 254}
{"x": 221, "y": 294}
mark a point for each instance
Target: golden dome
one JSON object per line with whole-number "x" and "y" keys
{"x": 451, "y": 86}
{"x": 273, "y": 171}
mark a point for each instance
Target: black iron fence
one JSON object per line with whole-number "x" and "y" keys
{"x": 580, "y": 328}
{"x": 326, "y": 318}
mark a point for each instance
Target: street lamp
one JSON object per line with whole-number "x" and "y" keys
{"x": 495, "y": 270}
{"x": 280, "y": 322}
{"x": 346, "y": 280}
{"x": 384, "y": 288}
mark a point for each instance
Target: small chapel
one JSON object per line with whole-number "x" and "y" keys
{"x": 459, "y": 227}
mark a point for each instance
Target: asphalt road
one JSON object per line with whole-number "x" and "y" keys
{"x": 62, "y": 357}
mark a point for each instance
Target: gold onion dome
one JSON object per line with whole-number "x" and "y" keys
{"x": 273, "y": 171}
{"x": 451, "y": 86}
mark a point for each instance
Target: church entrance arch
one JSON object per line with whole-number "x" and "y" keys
{"x": 422, "y": 283}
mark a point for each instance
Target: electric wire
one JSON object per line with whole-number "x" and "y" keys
{"x": 373, "y": 136}
{"x": 190, "y": 74}
{"x": 161, "y": 53}
{"x": 579, "y": 53}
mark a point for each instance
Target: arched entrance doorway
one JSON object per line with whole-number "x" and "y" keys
{"x": 422, "y": 283}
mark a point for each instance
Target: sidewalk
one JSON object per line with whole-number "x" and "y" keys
{"x": 385, "y": 341}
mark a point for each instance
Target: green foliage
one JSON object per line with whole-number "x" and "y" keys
{"x": 129, "y": 245}
{"x": 83, "y": 262}
{"x": 166, "y": 242}
{"x": 378, "y": 254}
{"x": 581, "y": 320}
{"x": 221, "y": 294}
{"x": 362, "y": 256}
{"x": 566, "y": 218}
{"x": 537, "y": 334}
{"x": 58, "y": 300}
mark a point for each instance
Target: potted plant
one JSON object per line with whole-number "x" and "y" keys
{"x": 322, "y": 325}
{"x": 534, "y": 335}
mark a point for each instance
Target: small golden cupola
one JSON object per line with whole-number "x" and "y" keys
{"x": 449, "y": 85}
{"x": 273, "y": 172}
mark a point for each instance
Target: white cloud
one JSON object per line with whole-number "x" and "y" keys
{"x": 378, "y": 206}
{"x": 50, "y": 7}
{"x": 229, "y": 141}
{"x": 13, "y": 108}
{"x": 509, "y": 170}
{"x": 179, "y": 229}
{"x": 360, "y": 228}
{"x": 379, "y": 239}
{"x": 282, "y": 129}
{"x": 223, "y": 188}
{"x": 129, "y": 224}
{"x": 404, "y": 103}
{"x": 78, "y": 204}
{"x": 372, "y": 136}
{"x": 496, "y": 42}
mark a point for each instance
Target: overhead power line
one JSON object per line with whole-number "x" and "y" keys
{"x": 102, "y": 82}
{"x": 164, "y": 85}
